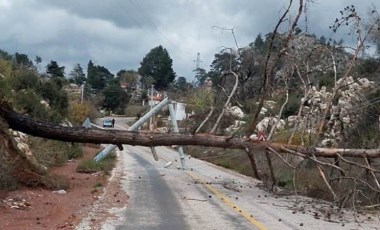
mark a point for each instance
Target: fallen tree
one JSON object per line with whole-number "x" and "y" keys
{"x": 48, "y": 130}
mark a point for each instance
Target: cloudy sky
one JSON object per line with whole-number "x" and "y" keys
{"x": 119, "y": 33}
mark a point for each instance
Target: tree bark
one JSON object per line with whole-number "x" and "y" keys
{"x": 48, "y": 130}
{"x": 252, "y": 159}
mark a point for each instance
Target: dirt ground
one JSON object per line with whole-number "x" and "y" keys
{"x": 37, "y": 208}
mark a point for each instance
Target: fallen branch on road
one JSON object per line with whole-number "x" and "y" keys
{"x": 48, "y": 130}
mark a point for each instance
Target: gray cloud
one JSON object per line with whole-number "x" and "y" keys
{"x": 118, "y": 33}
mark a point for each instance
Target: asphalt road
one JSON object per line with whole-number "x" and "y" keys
{"x": 151, "y": 204}
{"x": 169, "y": 198}
{"x": 206, "y": 196}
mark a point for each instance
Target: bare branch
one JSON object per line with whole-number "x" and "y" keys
{"x": 322, "y": 174}
{"x": 213, "y": 130}
{"x": 205, "y": 120}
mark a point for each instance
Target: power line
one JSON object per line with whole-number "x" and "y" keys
{"x": 127, "y": 14}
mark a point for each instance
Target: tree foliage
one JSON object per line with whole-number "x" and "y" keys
{"x": 30, "y": 94}
{"x": 181, "y": 83}
{"x": 78, "y": 75}
{"x": 115, "y": 98}
{"x": 200, "y": 76}
{"x": 157, "y": 65}
{"x": 128, "y": 77}
{"x": 23, "y": 59}
{"x": 54, "y": 70}
{"x": 98, "y": 76}
{"x": 259, "y": 44}
{"x": 78, "y": 112}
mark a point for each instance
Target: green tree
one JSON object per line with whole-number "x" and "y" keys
{"x": 23, "y": 79}
{"x": 129, "y": 77}
{"x": 5, "y": 55}
{"x": 54, "y": 70}
{"x": 37, "y": 62}
{"x": 181, "y": 83}
{"x": 157, "y": 65}
{"x": 223, "y": 62}
{"x": 23, "y": 60}
{"x": 200, "y": 76}
{"x": 57, "y": 98}
{"x": 298, "y": 30}
{"x": 78, "y": 75}
{"x": 98, "y": 76}
{"x": 259, "y": 44}
{"x": 322, "y": 40}
{"x": 115, "y": 98}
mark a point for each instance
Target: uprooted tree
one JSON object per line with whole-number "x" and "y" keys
{"x": 348, "y": 174}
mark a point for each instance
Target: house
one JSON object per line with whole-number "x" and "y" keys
{"x": 155, "y": 98}
{"x": 179, "y": 110}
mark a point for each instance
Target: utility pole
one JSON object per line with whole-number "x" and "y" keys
{"x": 151, "y": 107}
{"x": 82, "y": 93}
{"x": 135, "y": 127}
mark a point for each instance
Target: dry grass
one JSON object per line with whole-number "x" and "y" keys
{"x": 54, "y": 153}
{"x": 92, "y": 166}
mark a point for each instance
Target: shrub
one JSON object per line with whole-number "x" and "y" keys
{"x": 92, "y": 166}
{"x": 78, "y": 112}
{"x": 55, "y": 182}
{"x": 292, "y": 106}
{"x": 7, "y": 181}
{"x": 54, "y": 153}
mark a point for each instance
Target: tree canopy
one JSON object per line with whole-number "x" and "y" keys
{"x": 77, "y": 74}
{"x": 98, "y": 76}
{"x": 157, "y": 65}
{"x": 115, "y": 98}
{"x": 54, "y": 70}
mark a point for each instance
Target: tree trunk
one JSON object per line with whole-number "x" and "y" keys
{"x": 83, "y": 135}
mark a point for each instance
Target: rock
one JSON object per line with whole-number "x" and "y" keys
{"x": 235, "y": 112}
{"x": 59, "y": 192}
{"x": 237, "y": 124}
{"x": 268, "y": 122}
{"x": 167, "y": 165}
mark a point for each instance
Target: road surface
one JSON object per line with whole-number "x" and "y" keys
{"x": 206, "y": 196}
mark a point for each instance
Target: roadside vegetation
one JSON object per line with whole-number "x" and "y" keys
{"x": 288, "y": 86}
{"x": 91, "y": 166}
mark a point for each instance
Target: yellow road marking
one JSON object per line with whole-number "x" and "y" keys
{"x": 220, "y": 196}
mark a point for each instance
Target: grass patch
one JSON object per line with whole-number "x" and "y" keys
{"x": 92, "y": 166}
{"x": 54, "y": 153}
{"x": 234, "y": 159}
{"x": 134, "y": 110}
{"x": 7, "y": 181}
{"x": 55, "y": 182}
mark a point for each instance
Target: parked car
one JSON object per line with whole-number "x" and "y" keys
{"x": 107, "y": 123}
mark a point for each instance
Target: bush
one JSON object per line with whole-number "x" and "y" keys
{"x": 55, "y": 182}
{"x": 75, "y": 151}
{"x": 78, "y": 112}
{"x": 292, "y": 106}
{"x": 54, "y": 153}
{"x": 92, "y": 166}
{"x": 327, "y": 80}
{"x": 7, "y": 181}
